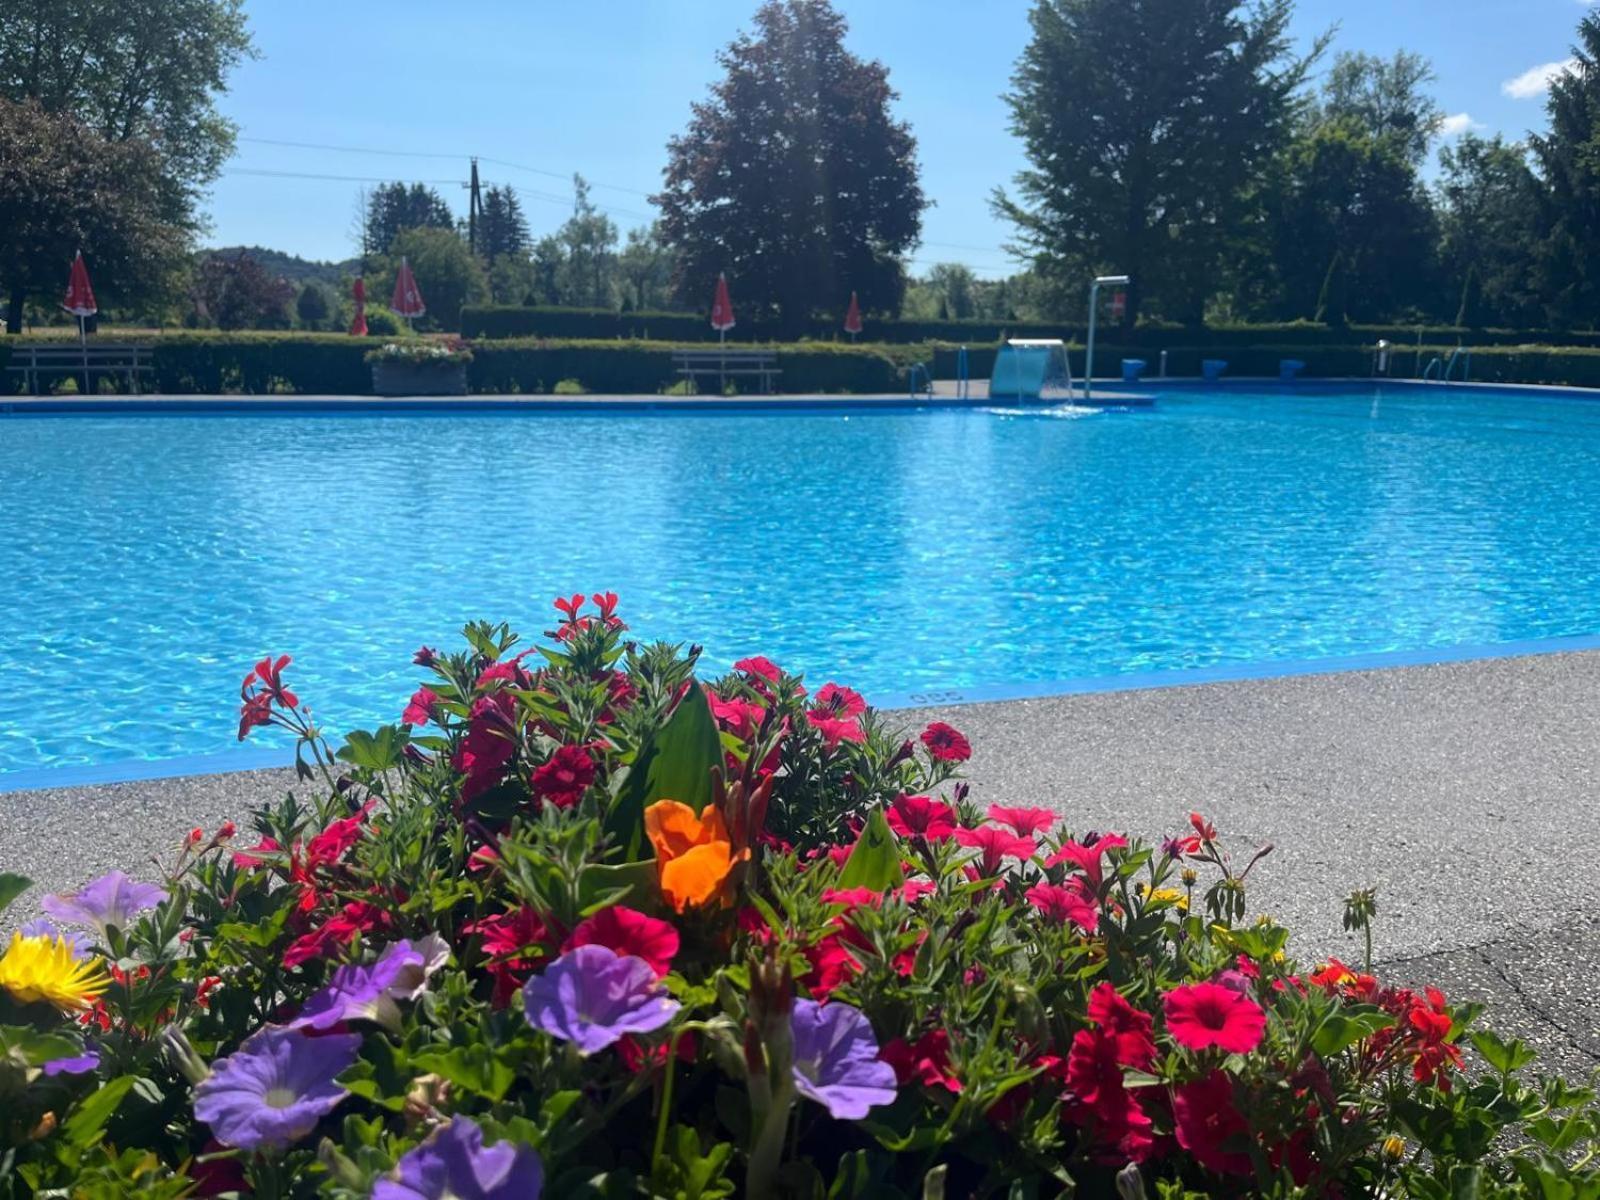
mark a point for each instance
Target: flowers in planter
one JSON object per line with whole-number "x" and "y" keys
{"x": 585, "y": 923}
{"x": 420, "y": 352}
{"x": 275, "y": 1088}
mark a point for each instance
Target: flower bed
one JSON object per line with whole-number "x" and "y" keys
{"x": 420, "y": 368}
{"x": 579, "y": 925}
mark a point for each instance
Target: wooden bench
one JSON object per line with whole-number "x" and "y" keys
{"x": 60, "y": 359}
{"x": 722, "y": 363}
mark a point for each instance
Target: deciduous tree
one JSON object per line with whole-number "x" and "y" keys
{"x": 794, "y": 176}
{"x": 63, "y": 188}
{"x": 1148, "y": 125}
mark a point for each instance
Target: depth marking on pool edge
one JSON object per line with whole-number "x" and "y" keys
{"x": 226, "y": 762}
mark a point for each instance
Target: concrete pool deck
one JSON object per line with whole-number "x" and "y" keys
{"x": 1468, "y": 793}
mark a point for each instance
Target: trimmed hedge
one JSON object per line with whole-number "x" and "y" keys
{"x": 593, "y": 324}
{"x": 530, "y": 365}
{"x": 598, "y": 324}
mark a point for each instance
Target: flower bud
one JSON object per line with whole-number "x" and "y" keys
{"x": 426, "y": 1095}
{"x": 45, "y": 1127}
{"x": 181, "y": 1056}
{"x": 227, "y": 831}
{"x": 1394, "y": 1148}
{"x": 1130, "y": 1184}
{"x": 1190, "y": 877}
{"x": 196, "y": 836}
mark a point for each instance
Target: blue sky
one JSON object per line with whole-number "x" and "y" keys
{"x": 598, "y": 87}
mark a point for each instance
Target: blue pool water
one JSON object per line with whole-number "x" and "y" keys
{"x": 147, "y": 560}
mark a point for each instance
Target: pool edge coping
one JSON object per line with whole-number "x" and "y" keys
{"x": 234, "y": 761}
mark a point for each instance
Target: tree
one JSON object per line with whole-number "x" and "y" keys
{"x": 312, "y": 306}
{"x": 1569, "y": 160}
{"x": 645, "y": 270}
{"x": 236, "y": 292}
{"x": 448, "y": 274}
{"x": 1385, "y": 99}
{"x": 955, "y": 284}
{"x": 589, "y": 252}
{"x": 794, "y": 177}
{"x": 502, "y": 229}
{"x": 393, "y": 208}
{"x": 1489, "y": 222}
{"x": 1353, "y": 232}
{"x": 132, "y": 70}
{"x": 63, "y": 188}
{"x": 1148, "y": 124}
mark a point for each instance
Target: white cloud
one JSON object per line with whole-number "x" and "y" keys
{"x": 1457, "y": 124}
{"x": 1536, "y": 81}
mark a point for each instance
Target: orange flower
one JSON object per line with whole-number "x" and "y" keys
{"x": 694, "y": 855}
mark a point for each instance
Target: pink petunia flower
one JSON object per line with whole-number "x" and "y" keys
{"x": 1201, "y": 1015}
{"x": 1026, "y": 821}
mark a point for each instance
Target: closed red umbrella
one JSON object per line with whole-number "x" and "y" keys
{"x": 407, "y": 300}
{"x": 852, "y": 317}
{"x": 722, "y": 308}
{"x": 358, "y": 327}
{"x": 80, "y": 303}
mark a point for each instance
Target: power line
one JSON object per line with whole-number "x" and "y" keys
{"x": 499, "y": 162}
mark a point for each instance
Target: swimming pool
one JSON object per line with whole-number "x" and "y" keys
{"x": 146, "y": 560}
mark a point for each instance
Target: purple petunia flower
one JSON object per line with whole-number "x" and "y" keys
{"x": 368, "y": 992}
{"x": 80, "y": 1064}
{"x": 454, "y": 1162}
{"x": 592, "y": 995}
{"x": 78, "y": 943}
{"x": 110, "y": 901}
{"x": 836, "y": 1059}
{"x": 275, "y": 1087}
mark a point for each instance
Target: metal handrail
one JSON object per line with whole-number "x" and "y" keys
{"x": 1460, "y": 352}
{"x": 1437, "y": 363}
{"x": 963, "y": 379}
{"x": 927, "y": 378}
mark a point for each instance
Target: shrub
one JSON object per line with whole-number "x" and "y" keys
{"x": 569, "y": 387}
{"x": 647, "y": 937}
{"x": 329, "y": 364}
{"x": 383, "y": 323}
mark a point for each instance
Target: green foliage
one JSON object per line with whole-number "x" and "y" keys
{"x": 1141, "y": 1047}
{"x": 313, "y": 306}
{"x": 63, "y": 188}
{"x": 794, "y": 177}
{"x": 1132, "y": 132}
{"x": 1568, "y": 157}
{"x": 235, "y": 292}
{"x": 393, "y": 208}
{"x": 448, "y": 275}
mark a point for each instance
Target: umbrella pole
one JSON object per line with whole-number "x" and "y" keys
{"x": 83, "y": 344}
{"x": 722, "y": 362}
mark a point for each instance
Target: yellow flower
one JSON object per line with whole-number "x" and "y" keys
{"x": 43, "y": 968}
{"x": 1165, "y": 896}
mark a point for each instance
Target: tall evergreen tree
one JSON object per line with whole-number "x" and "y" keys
{"x": 393, "y": 208}
{"x": 502, "y": 228}
{"x": 1147, "y": 124}
{"x": 794, "y": 177}
{"x": 1568, "y": 157}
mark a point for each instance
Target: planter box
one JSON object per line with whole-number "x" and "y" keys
{"x": 409, "y": 379}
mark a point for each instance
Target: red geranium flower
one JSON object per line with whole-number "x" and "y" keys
{"x": 1087, "y": 857}
{"x": 514, "y": 943}
{"x": 1129, "y": 1027}
{"x": 997, "y": 845}
{"x": 925, "y": 1061}
{"x": 563, "y": 778}
{"x": 487, "y": 748}
{"x": 945, "y": 743}
{"x": 1026, "y": 821}
{"x": 1100, "y": 1097}
{"x": 627, "y": 931}
{"x": 1207, "y": 1014}
{"x": 739, "y": 717}
{"x": 636, "y": 1054}
{"x": 254, "y": 712}
{"x": 836, "y": 729}
{"x": 840, "y": 701}
{"x": 757, "y": 665}
{"x": 1209, "y": 1125}
{"x": 1072, "y": 902}
{"x": 420, "y": 710}
{"x": 921, "y": 816}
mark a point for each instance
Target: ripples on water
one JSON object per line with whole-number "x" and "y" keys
{"x": 146, "y": 561}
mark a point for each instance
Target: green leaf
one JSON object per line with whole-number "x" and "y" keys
{"x": 875, "y": 862}
{"x": 1341, "y": 1030}
{"x": 606, "y": 885}
{"x": 1503, "y": 1056}
{"x": 675, "y": 763}
{"x": 84, "y": 1127}
{"x": 376, "y": 751}
{"x": 12, "y": 886}
{"x": 474, "y": 1068}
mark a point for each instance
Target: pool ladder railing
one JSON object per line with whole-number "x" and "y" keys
{"x": 921, "y": 381}
{"x": 1444, "y": 369}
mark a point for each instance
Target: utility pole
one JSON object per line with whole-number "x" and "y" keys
{"x": 474, "y": 208}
